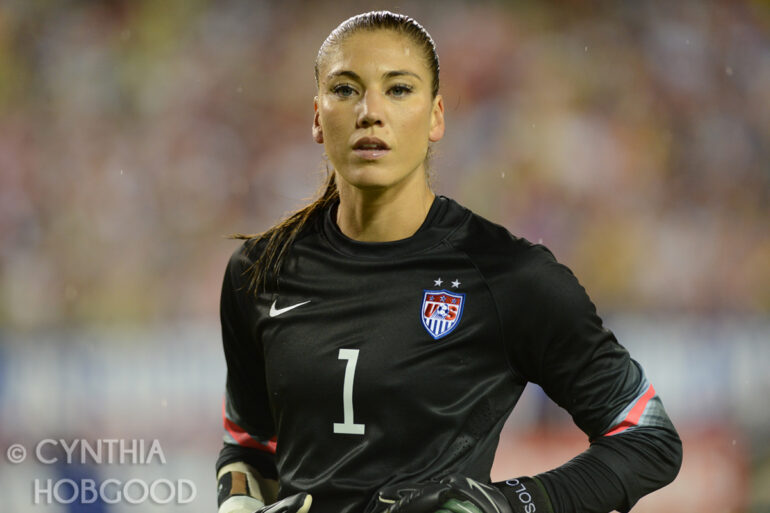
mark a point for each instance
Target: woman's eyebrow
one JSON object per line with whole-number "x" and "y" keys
{"x": 401, "y": 72}
{"x": 389, "y": 74}
{"x": 343, "y": 73}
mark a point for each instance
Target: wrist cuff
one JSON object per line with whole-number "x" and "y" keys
{"x": 234, "y": 484}
{"x": 525, "y": 495}
{"x": 240, "y": 504}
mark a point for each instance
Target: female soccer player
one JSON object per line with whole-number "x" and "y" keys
{"x": 377, "y": 340}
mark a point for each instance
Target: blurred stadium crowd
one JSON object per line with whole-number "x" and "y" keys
{"x": 631, "y": 138}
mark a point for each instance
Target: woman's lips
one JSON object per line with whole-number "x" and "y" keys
{"x": 370, "y": 148}
{"x": 371, "y": 154}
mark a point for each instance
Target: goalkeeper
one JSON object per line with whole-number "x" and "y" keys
{"x": 378, "y": 339}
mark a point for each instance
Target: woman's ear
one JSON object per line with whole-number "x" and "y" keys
{"x": 437, "y": 120}
{"x": 318, "y": 134}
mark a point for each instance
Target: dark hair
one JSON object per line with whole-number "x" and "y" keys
{"x": 385, "y": 20}
{"x": 280, "y": 237}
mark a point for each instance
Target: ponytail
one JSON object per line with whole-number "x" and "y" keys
{"x": 280, "y": 238}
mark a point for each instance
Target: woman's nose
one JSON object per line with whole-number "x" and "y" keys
{"x": 370, "y": 110}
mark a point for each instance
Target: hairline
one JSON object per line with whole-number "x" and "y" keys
{"x": 322, "y": 52}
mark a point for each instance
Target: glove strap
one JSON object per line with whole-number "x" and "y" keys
{"x": 234, "y": 484}
{"x": 525, "y": 495}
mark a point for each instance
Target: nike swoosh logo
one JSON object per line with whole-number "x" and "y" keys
{"x": 474, "y": 484}
{"x": 275, "y": 312}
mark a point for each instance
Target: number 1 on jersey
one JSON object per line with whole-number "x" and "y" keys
{"x": 348, "y": 427}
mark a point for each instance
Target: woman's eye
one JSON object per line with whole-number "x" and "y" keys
{"x": 400, "y": 90}
{"x": 343, "y": 90}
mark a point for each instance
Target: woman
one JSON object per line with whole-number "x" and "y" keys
{"x": 378, "y": 339}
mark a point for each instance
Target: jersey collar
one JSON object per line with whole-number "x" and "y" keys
{"x": 443, "y": 217}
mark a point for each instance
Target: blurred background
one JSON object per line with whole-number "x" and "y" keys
{"x": 633, "y": 139}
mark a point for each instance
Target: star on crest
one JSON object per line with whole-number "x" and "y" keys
{"x": 438, "y": 282}
{"x": 455, "y": 284}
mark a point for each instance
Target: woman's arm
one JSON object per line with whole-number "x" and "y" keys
{"x": 246, "y": 470}
{"x": 564, "y": 347}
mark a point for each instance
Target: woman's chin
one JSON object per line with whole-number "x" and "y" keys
{"x": 374, "y": 178}
{"x": 370, "y": 179}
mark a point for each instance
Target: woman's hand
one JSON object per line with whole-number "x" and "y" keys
{"x": 298, "y": 503}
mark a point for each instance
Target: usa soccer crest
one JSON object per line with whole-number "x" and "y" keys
{"x": 441, "y": 311}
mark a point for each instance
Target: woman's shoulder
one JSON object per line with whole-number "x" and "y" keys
{"x": 479, "y": 236}
{"x": 253, "y": 246}
{"x": 248, "y": 251}
{"x": 509, "y": 263}
{"x": 241, "y": 264}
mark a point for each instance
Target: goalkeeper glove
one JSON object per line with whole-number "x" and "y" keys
{"x": 238, "y": 491}
{"x": 460, "y": 494}
{"x": 298, "y": 503}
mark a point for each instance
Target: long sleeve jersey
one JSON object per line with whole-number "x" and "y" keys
{"x": 368, "y": 364}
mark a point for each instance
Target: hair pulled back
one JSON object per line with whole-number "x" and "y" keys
{"x": 280, "y": 237}
{"x": 384, "y": 20}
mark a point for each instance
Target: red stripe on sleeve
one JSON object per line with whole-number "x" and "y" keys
{"x": 632, "y": 419}
{"x": 243, "y": 438}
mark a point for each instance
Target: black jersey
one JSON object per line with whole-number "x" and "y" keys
{"x": 374, "y": 363}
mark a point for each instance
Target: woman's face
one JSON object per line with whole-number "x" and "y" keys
{"x": 374, "y": 112}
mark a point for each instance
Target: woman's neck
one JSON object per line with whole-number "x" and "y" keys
{"x": 382, "y": 215}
